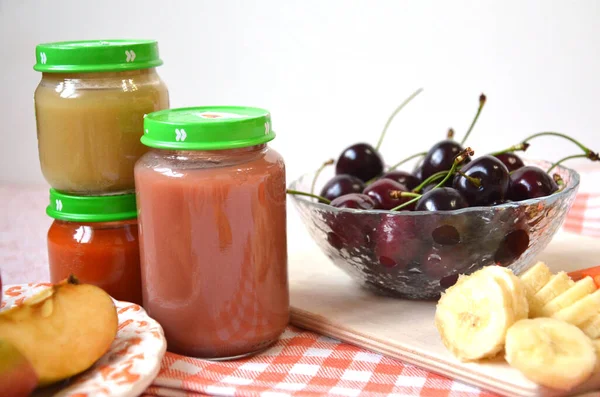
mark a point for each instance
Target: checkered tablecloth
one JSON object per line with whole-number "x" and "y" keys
{"x": 302, "y": 363}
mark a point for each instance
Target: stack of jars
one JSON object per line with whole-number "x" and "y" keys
{"x": 211, "y": 265}
{"x": 90, "y": 106}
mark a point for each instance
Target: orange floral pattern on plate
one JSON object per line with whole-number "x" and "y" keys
{"x": 129, "y": 366}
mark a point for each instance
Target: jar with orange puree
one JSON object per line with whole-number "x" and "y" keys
{"x": 90, "y": 105}
{"x": 95, "y": 238}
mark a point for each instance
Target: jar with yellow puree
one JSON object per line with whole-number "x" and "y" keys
{"x": 90, "y": 106}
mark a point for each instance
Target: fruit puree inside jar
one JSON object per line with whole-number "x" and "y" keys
{"x": 105, "y": 254}
{"x": 213, "y": 248}
{"x": 89, "y": 127}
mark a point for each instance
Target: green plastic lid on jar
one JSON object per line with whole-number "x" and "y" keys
{"x": 96, "y": 56}
{"x": 67, "y": 207}
{"x": 207, "y": 128}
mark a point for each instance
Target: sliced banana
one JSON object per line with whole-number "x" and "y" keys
{"x": 535, "y": 278}
{"x": 550, "y": 352}
{"x": 515, "y": 288}
{"x": 579, "y": 290}
{"x": 596, "y": 343}
{"x": 580, "y": 311}
{"x": 558, "y": 284}
{"x": 591, "y": 327}
{"x": 473, "y": 316}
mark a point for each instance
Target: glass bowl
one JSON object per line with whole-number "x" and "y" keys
{"x": 417, "y": 255}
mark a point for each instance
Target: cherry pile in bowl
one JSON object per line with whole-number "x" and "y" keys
{"x": 411, "y": 232}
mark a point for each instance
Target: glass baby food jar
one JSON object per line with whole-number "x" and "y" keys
{"x": 212, "y": 218}
{"x": 89, "y": 106}
{"x": 95, "y": 238}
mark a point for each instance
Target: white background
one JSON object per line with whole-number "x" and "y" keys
{"x": 332, "y": 71}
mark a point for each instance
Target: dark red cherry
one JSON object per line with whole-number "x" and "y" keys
{"x": 530, "y": 182}
{"x": 350, "y": 231}
{"x": 360, "y": 160}
{"x": 510, "y": 160}
{"x": 340, "y": 185}
{"x": 436, "y": 264}
{"x": 491, "y": 181}
{"x": 418, "y": 173}
{"x": 405, "y": 178}
{"x": 511, "y": 247}
{"x": 381, "y": 191}
{"x": 396, "y": 242}
{"x": 443, "y": 263}
{"x": 441, "y": 157}
{"x": 441, "y": 199}
{"x": 355, "y": 201}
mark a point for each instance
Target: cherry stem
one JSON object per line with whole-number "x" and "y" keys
{"x": 521, "y": 147}
{"x": 482, "y": 100}
{"x": 299, "y": 193}
{"x": 558, "y": 179}
{"x": 398, "y": 109}
{"x": 462, "y": 156}
{"x": 399, "y": 193}
{"x": 432, "y": 178}
{"x": 398, "y": 164}
{"x": 589, "y": 154}
{"x": 450, "y": 134}
{"x": 559, "y": 162}
{"x": 321, "y": 168}
{"x": 474, "y": 181}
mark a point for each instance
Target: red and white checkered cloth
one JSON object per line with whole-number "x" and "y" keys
{"x": 303, "y": 363}
{"x": 584, "y": 217}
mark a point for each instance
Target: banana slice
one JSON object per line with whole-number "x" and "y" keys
{"x": 591, "y": 327}
{"x": 535, "y": 278}
{"x": 473, "y": 316}
{"x": 580, "y": 311}
{"x": 578, "y": 291}
{"x": 550, "y": 352}
{"x": 558, "y": 284}
{"x": 596, "y": 343}
{"x": 515, "y": 288}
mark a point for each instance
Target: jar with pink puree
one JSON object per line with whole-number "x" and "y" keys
{"x": 212, "y": 227}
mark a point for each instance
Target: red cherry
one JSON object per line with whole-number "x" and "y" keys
{"x": 382, "y": 192}
{"x": 510, "y": 160}
{"x": 483, "y": 181}
{"x": 340, "y": 185}
{"x": 441, "y": 157}
{"x": 530, "y": 182}
{"x": 360, "y": 160}
{"x": 355, "y": 201}
{"x": 396, "y": 243}
{"x": 407, "y": 179}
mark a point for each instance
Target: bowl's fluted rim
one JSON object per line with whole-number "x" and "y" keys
{"x": 570, "y": 188}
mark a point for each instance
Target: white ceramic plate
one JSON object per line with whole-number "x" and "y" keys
{"x": 129, "y": 366}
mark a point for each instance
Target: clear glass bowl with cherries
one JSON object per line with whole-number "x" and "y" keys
{"x": 410, "y": 234}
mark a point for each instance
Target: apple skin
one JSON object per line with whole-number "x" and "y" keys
{"x": 17, "y": 376}
{"x": 63, "y": 330}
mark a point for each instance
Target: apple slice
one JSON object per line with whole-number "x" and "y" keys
{"x": 17, "y": 376}
{"x": 63, "y": 330}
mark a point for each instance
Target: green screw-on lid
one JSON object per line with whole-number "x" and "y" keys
{"x": 96, "y": 56}
{"x": 207, "y": 128}
{"x": 67, "y": 207}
